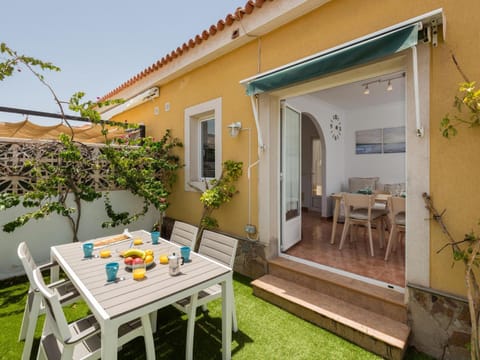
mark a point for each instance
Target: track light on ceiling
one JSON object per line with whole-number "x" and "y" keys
{"x": 389, "y": 86}
{"x": 366, "y": 89}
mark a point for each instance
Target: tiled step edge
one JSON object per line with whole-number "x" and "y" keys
{"x": 383, "y": 293}
{"x": 381, "y": 300}
{"x": 384, "y": 336}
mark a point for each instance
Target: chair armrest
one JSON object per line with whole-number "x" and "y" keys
{"x": 84, "y": 334}
{"x": 47, "y": 266}
{"x": 67, "y": 291}
{"x": 59, "y": 283}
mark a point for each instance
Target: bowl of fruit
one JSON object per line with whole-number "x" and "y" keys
{"x": 135, "y": 256}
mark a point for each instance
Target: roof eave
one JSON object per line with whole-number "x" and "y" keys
{"x": 240, "y": 32}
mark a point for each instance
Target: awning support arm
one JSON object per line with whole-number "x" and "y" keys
{"x": 254, "y": 102}
{"x": 420, "y": 130}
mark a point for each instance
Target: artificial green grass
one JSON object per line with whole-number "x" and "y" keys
{"x": 265, "y": 331}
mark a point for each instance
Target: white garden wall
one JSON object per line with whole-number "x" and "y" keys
{"x": 54, "y": 230}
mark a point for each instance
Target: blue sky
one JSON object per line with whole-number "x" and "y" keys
{"x": 98, "y": 44}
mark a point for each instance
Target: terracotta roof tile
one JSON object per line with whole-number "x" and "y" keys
{"x": 249, "y": 6}
{"x": 213, "y": 30}
{"x": 239, "y": 13}
{"x": 220, "y": 25}
{"x": 229, "y": 19}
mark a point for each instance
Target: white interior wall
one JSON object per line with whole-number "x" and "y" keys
{"x": 41, "y": 234}
{"x": 341, "y": 160}
{"x": 390, "y": 168}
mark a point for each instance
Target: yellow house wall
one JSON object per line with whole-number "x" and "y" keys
{"x": 217, "y": 79}
{"x": 453, "y": 163}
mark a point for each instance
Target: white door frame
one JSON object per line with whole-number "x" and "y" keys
{"x": 418, "y": 174}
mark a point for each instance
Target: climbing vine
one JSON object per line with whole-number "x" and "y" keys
{"x": 466, "y": 250}
{"x": 218, "y": 192}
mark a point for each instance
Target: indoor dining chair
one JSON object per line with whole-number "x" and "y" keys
{"x": 184, "y": 234}
{"x": 222, "y": 249}
{"x": 80, "y": 339}
{"x": 396, "y": 216}
{"x": 359, "y": 210}
{"x": 34, "y": 305}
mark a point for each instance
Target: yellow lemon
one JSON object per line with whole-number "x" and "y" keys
{"x": 163, "y": 259}
{"x": 137, "y": 241}
{"x": 149, "y": 252}
{"x": 105, "y": 253}
{"x": 148, "y": 259}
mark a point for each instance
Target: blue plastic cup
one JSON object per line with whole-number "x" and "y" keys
{"x": 88, "y": 250}
{"x": 185, "y": 252}
{"x": 112, "y": 269}
{"x": 155, "y": 236}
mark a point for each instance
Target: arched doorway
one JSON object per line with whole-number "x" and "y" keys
{"x": 313, "y": 166}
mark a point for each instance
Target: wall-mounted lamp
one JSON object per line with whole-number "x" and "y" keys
{"x": 234, "y": 128}
{"x": 366, "y": 91}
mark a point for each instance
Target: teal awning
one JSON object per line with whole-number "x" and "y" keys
{"x": 345, "y": 57}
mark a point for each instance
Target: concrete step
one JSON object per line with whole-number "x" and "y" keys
{"x": 376, "y": 333}
{"x": 383, "y": 301}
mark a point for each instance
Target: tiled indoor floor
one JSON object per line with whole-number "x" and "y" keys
{"x": 354, "y": 257}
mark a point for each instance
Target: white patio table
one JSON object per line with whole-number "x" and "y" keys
{"x": 115, "y": 303}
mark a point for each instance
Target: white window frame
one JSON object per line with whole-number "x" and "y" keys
{"x": 194, "y": 116}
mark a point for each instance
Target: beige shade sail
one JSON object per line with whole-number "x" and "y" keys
{"x": 89, "y": 133}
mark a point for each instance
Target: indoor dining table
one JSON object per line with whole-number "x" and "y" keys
{"x": 337, "y": 197}
{"x": 125, "y": 299}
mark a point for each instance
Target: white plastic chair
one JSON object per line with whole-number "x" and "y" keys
{"x": 222, "y": 249}
{"x": 359, "y": 211}
{"x": 184, "y": 234}
{"x": 34, "y": 306}
{"x": 80, "y": 339}
{"x": 396, "y": 217}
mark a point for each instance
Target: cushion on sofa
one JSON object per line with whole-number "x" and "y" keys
{"x": 360, "y": 183}
{"x": 394, "y": 189}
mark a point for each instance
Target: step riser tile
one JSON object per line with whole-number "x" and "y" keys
{"x": 396, "y": 312}
{"x": 363, "y": 340}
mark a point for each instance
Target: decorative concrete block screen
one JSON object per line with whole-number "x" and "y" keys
{"x": 15, "y": 176}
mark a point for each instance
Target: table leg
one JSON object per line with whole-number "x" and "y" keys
{"x": 227, "y": 303}
{"x": 148, "y": 337}
{"x": 191, "y": 326}
{"x": 336, "y": 211}
{"x": 109, "y": 341}
{"x": 54, "y": 271}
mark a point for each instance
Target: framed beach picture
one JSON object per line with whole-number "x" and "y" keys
{"x": 394, "y": 140}
{"x": 368, "y": 141}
